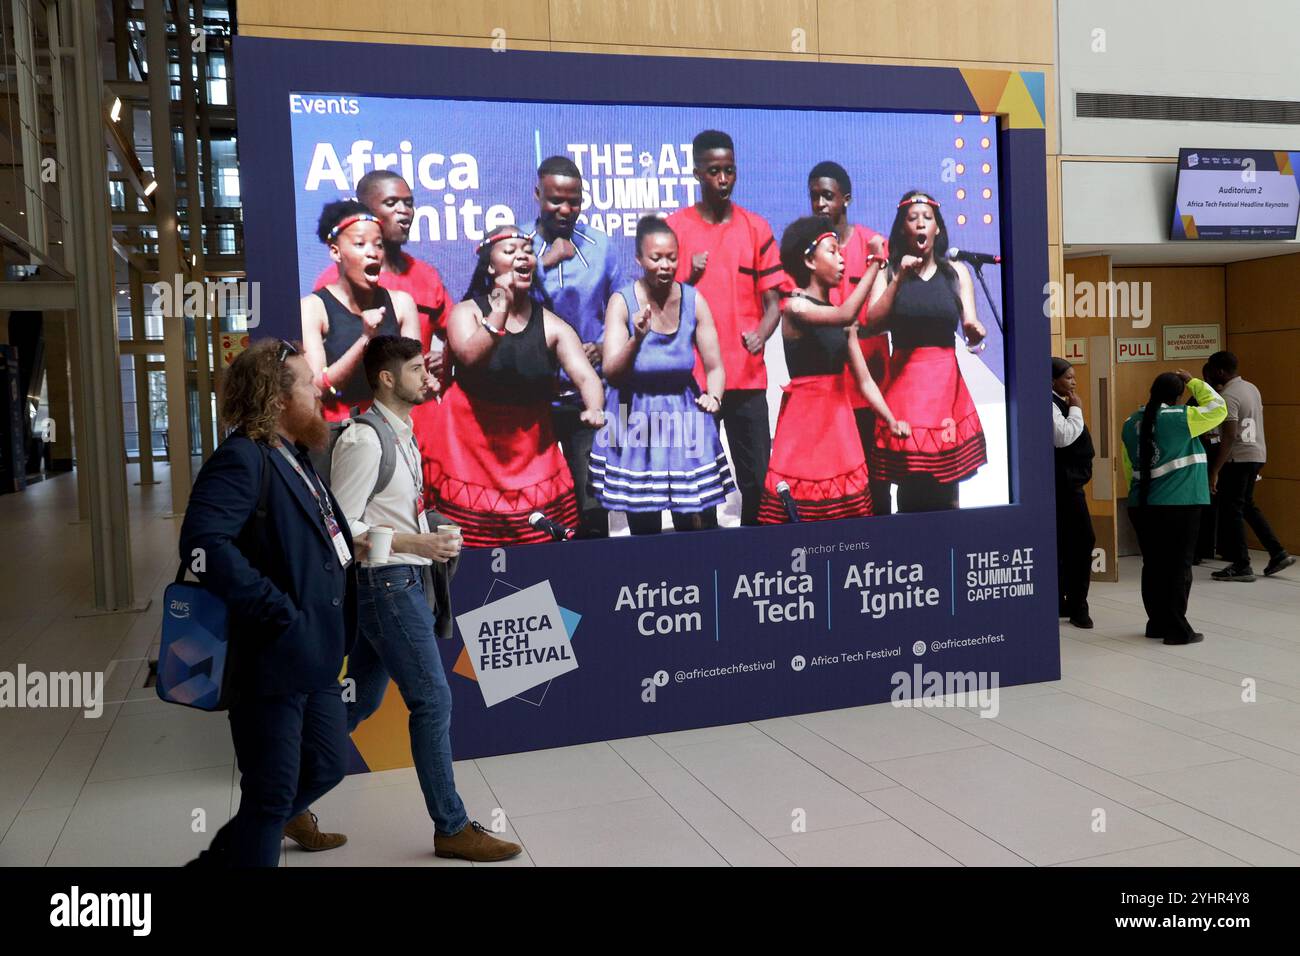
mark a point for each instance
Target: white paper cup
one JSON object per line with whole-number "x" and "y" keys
{"x": 381, "y": 544}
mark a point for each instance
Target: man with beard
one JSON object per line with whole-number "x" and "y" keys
{"x": 580, "y": 273}
{"x": 388, "y": 196}
{"x": 403, "y": 592}
{"x": 263, "y": 533}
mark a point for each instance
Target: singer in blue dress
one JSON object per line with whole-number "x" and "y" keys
{"x": 659, "y": 449}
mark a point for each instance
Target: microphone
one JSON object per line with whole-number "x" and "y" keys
{"x": 791, "y": 512}
{"x": 974, "y": 258}
{"x": 558, "y": 532}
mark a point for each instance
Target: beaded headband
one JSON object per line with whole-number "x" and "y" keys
{"x": 813, "y": 245}
{"x": 350, "y": 220}
{"x": 491, "y": 240}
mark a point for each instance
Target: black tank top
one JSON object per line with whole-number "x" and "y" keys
{"x": 819, "y": 349}
{"x": 344, "y": 329}
{"x": 925, "y": 313}
{"x": 519, "y": 371}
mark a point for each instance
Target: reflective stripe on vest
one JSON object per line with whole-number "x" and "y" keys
{"x": 1173, "y": 465}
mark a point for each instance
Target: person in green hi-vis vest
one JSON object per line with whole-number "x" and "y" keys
{"x": 1165, "y": 500}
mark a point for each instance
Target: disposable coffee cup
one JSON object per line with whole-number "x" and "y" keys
{"x": 381, "y": 544}
{"x": 452, "y": 528}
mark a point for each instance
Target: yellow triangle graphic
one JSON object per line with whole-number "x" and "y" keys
{"x": 1189, "y": 227}
{"x": 1019, "y": 106}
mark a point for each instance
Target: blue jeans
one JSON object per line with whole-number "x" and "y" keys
{"x": 395, "y": 636}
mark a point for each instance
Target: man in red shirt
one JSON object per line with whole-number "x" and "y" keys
{"x": 729, "y": 255}
{"x": 388, "y": 196}
{"x": 829, "y": 193}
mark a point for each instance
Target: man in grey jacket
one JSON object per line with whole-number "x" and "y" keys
{"x": 403, "y": 594}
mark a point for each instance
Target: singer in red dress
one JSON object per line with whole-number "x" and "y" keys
{"x": 340, "y": 318}
{"x": 830, "y": 193}
{"x": 922, "y": 300}
{"x": 816, "y": 451}
{"x": 491, "y": 458}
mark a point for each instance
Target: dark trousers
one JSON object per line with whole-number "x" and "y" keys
{"x": 1167, "y": 536}
{"x": 652, "y": 522}
{"x": 881, "y": 502}
{"x": 1075, "y": 540}
{"x": 923, "y": 493}
{"x": 749, "y": 439}
{"x": 291, "y": 751}
{"x": 1238, "y": 509}
{"x": 576, "y": 439}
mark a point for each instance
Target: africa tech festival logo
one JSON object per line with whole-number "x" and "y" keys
{"x": 517, "y": 644}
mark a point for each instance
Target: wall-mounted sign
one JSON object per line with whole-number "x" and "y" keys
{"x": 1191, "y": 341}
{"x": 232, "y": 343}
{"x": 1135, "y": 350}
{"x": 1076, "y": 351}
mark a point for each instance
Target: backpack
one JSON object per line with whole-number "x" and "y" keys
{"x": 371, "y": 418}
{"x": 196, "y": 658}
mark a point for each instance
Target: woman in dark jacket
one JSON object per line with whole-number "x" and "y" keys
{"x": 1075, "y": 538}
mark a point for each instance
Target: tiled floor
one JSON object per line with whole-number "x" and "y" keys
{"x": 1140, "y": 755}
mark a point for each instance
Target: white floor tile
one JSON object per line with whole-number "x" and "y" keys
{"x": 144, "y": 821}
{"x": 1034, "y": 813}
{"x": 644, "y": 831}
{"x": 561, "y": 779}
{"x": 30, "y": 839}
{"x": 885, "y": 843}
{"x": 963, "y": 843}
{"x": 771, "y": 788}
{"x": 1185, "y": 852}
{"x": 1245, "y": 793}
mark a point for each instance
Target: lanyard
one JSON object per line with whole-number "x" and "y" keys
{"x": 322, "y": 501}
{"x": 417, "y": 475}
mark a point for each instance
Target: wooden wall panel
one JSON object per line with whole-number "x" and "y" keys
{"x": 1268, "y": 359}
{"x": 1277, "y": 498}
{"x": 713, "y": 24}
{"x": 1262, "y": 294}
{"x": 524, "y": 19}
{"x": 1018, "y": 30}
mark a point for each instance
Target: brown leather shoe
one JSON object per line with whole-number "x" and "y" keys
{"x": 304, "y": 831}
{"x": 474, "y": 843}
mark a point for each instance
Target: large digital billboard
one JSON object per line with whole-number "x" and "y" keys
{"x": 753, "y": 338}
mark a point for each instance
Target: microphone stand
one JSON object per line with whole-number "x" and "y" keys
{"x": 979, "y": 271}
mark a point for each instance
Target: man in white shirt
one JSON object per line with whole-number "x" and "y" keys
{"x": 400, "y": 611}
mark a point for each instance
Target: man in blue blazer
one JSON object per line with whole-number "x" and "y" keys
{"x": 287, "y": 573}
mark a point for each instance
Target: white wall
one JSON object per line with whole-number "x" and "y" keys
{"x": 1248, "y": 49}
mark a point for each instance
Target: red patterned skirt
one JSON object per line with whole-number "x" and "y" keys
{"x": 926, "y": 390}
{"x": 488, "y": 466}
{"x": 817, "y": 452}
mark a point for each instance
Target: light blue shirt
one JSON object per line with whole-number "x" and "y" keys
{"x": 581, "y": 286}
